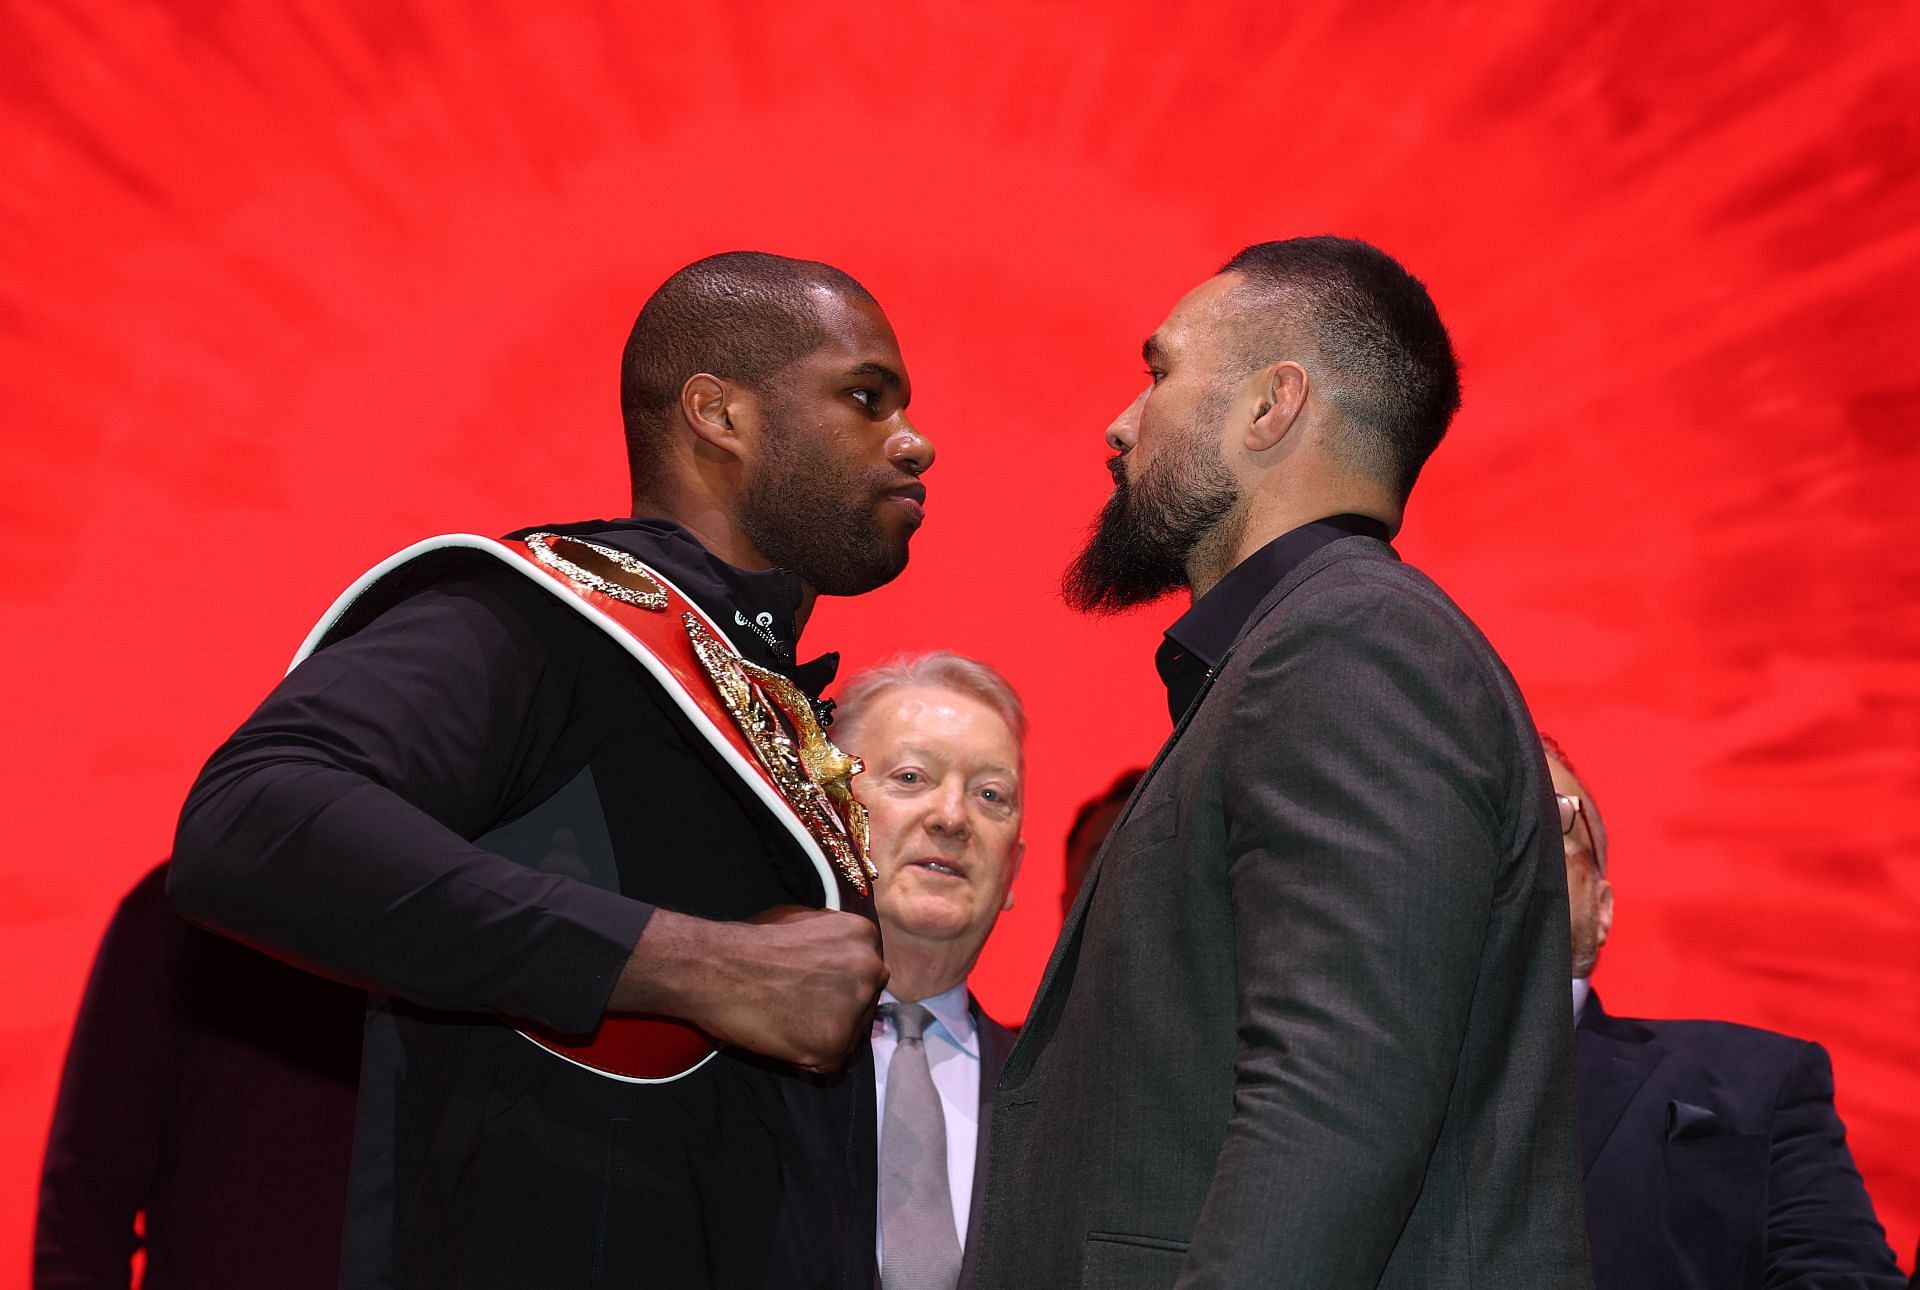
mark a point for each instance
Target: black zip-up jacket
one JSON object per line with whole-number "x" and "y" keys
{"x": 471, "y": 804}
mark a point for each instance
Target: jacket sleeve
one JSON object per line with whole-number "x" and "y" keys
{"x": 1821, "y": 1230}
{"x": 333, "y": 828}
{"x": 108, "y": 1138}
{"x": 1363, "y": 777}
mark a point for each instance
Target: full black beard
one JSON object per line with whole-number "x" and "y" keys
{"x": 821, "y": 524}
{"x": 1138, "y": 549}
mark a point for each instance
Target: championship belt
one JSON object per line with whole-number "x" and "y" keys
{"x": 760, "y": 723}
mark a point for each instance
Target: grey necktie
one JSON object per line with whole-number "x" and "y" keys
{"x": 919, "y": 1249}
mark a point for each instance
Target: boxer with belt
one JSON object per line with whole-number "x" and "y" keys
{"x": 568, "y": 787}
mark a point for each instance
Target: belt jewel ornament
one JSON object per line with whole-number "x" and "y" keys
{"x": 620, "y": 575}
{"x": 811, "y": 772}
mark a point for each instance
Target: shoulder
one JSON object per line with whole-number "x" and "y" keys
{"x": 984, "y": 1019}
{"x": 1359, "y": 582}
{"x": 1748, "y": 1053}
{"x": 1360, "y": 622}
{"x": 1724, "y": 1036}
{"x": 452, "y": 593}
{"x": 145, "y": 934}
{"x": 145, "y": 912}
{"x": 993, "y": 1035}
{"x": 148, "y": 896}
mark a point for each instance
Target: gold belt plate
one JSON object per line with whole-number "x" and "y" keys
{"x": 811, "y": 772}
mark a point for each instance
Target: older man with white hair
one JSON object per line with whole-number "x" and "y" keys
{"x": 942, "y": 738}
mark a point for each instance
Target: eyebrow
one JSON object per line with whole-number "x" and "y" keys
{"x": 881, "y": 374}
{"x": 1150, "y": 349}
{"x": 928, "y": 754}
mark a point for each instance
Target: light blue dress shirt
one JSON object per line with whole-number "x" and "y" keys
{"x": 953, "y": 1055}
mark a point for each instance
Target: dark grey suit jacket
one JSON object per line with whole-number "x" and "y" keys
{"x": 996, "y": 1041}
{"x": 1308, "y": 1025}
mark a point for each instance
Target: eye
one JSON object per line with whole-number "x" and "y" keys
{"x": 868, "y": 399}
{"x": 909, "y": 777}
{"x": 1155, "y": 375}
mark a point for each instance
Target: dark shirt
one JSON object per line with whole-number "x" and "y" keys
{"x": 382, "y": 767}
{"x": 1200, "y": 638}
{"x": 472, "y": 802}
{"x": 210, "y": 1091}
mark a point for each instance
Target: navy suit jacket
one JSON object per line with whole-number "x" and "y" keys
{"x": 1714, "y": 1160}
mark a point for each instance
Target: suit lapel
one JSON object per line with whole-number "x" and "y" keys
{"x": 996, "y": 1041}
{"x": 1066, "y": 950}
{"x": 1612, "y": 1058}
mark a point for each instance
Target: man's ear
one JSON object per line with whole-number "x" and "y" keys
{"x": 1603, "y": 915}
{"x": 1282, "y": 396}
{"x": 706, "y": 406}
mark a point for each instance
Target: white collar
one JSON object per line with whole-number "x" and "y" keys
{"x": 1580, "y": 991}
{"x": 951, "y": 1009}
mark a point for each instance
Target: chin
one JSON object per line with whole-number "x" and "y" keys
{"x": 928, "y": 919}
{"x": 890, "y": 561}
{"x": 857, "y": 578}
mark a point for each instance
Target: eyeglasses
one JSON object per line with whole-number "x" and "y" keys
{"x": 1571, "y": 810}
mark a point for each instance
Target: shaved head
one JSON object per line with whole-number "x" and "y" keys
{"x": 743, "y": 316}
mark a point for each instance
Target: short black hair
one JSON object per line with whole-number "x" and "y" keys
{"x": 742, "y": 315}
{"x": 1374, "y": 324}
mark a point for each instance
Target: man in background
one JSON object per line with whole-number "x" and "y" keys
{"x": 1091, "y": 824}
{"x": 943, "y": 741}
{"x": 208, "y": 1099}
{"x": 1713, "y": 1154}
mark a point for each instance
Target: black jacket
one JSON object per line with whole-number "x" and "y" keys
{"x": 471, "y": 804}
{"x": 1714, "y": 1161}
{"x": 208, "y": 1092}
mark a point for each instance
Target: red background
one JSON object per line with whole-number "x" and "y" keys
{"x": 284, "y": 287}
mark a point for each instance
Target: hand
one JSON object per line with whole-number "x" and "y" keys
{"x": 798, "y": 985}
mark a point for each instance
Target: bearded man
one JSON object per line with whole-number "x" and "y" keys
{"x": 1306, "y": 1025}
{"x": 531, "y": 789}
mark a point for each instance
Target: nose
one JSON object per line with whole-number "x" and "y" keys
{"x": 908, "y": 449}
{"x": 947, "y": 814}
{"x": 1125, "y": 430}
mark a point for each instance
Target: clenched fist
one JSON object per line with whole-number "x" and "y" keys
{"x": 798, "y": 985}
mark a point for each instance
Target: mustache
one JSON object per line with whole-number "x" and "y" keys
{"x": 1117, "y": 467}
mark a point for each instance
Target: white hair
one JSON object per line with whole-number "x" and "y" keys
{"x": 939, "y": 670}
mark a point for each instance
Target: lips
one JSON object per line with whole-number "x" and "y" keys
{"x": 912, "y": 499}
{"x": 941, "y": 865}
